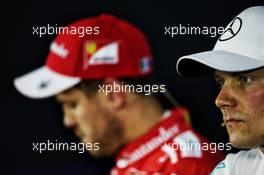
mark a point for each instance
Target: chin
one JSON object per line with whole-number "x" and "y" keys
{"x": 242, "y": 143}
{"x": 244, "y": 140}
{"x": 102, "y": 153}
{"x": 237, "y": 145}
{"x": 96, "y": 154}
{"x": 236, "y": 142}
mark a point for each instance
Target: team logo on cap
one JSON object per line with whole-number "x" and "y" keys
{"x": 44, "y": 84}
{"x": 59, "y": 49}
{"x": 100, "y": 52}
{"x": 232, "y": 29}
{"x": 145, "y": 64}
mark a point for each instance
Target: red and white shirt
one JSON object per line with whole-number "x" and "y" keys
{"x": 166, "y": 150}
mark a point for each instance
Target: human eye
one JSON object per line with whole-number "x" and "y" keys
{"x": 245, "y": 79}
{"x": 220, "y": 83}
{"x": 68, "y": 104}
{"x": 71, "y": 104}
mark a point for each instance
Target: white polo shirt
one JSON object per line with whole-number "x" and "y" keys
{"x": 249, "y": 162}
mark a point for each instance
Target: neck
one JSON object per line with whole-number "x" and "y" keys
{"x": 140, "y": 116}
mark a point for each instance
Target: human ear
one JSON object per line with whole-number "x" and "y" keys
{"x": 114, "y": 98}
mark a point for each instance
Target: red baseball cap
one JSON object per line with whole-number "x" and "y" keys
{"x": 91, "y": 48}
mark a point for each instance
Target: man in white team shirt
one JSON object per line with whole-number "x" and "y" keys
{"x": 237, "y": 62}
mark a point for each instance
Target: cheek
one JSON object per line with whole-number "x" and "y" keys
{"x": 85, "y": 123}
{"x": 255, "y": 107}
{"x": 88, "y": 116}
{"x": 83, "y": 115}
{"x": 256, "y": 99}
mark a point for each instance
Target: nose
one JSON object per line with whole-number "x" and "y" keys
{"x": 225, "y": 98}
{"x": 69, "y": 120}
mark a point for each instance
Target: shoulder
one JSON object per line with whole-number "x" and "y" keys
{"x": 243, "y": 155}
{"x": 192, "y": 151}
{"x": 243, "y": 161}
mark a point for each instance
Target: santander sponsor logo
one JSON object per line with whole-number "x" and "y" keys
{"x": 163, "y": 136}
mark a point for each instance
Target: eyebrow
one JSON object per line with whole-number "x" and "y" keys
{"x": 63, "y": 101}
{"x": 59, "y": 100}
{"x": 233, "y": 74}
{"x": 216, "y": 76}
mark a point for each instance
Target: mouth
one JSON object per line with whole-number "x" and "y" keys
{"x": 234, "y": 123}
{"x": 233, "y": 119}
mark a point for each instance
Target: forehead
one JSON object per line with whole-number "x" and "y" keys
{"x": 72, "y": 93}
{"x": 258, "y": 73}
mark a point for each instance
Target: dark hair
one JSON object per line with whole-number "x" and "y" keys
{"x": 91, "y": 87}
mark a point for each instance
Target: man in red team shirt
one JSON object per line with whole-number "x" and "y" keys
{"x": 102, "y": 80}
